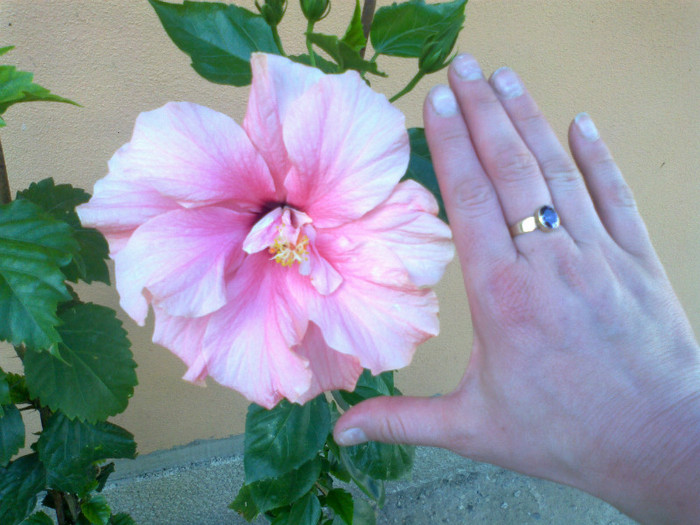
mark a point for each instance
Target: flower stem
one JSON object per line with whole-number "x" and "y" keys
{"x": 278, "y": 40}
{"x": 309, "y": 30}
{"x": 408, "y": 87}
{"x": 5, "y": 195}
{"x": 367, "y": 16}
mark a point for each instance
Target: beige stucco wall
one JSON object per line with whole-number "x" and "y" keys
{"x": 634, "y": 65}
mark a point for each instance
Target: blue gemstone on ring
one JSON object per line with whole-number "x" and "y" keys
{"x": 548, "y": 218}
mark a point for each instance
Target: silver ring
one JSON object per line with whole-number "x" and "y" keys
{"x": 545, "y": 219}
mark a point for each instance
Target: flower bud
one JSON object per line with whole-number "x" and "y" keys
{"x": 315, "y": 10}
{"x": 272, "y": 11}
{"x": 437, "y": 49}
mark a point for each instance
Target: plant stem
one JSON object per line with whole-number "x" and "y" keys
{"x": 58, "y": 504}
{"x": 309, "y": 30}
{"x": 278, "y": 40}
{"x": 5, "y": 195}
{"x": 408, "y": 87}
{"x": 367, "y": 16}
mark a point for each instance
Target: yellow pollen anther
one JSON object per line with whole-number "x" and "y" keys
{"x": 287, "y": 253}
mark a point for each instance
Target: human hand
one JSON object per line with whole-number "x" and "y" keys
{"x": 584, "y": 369}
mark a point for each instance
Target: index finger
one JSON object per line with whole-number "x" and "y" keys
{"x": 479, "y": 227}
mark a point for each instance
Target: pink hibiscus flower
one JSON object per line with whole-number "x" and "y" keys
{"x": 283, "y": 256}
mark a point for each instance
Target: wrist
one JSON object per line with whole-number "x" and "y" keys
{"x": 649, "y": 467}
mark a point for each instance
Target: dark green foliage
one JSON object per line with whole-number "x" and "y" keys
{"x": 96, "y": 362}
{"x": 404, "y": 29}
{"x": 59, "y": 201}
{"x": 18, "y": 86}
{"x": 33, "y": 248}
{"x": 20, "y": 482}
{"x": 344, "y": 55}
{"x": 219, "y": 38}
{"x": 11, "y": 433}
{"x": 69, "y": 450}
{"x": 284, "y": 438}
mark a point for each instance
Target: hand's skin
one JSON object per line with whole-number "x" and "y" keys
{"x": 584, "y": 369}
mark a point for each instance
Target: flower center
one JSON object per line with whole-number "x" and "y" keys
{"x": 286, "y": 251}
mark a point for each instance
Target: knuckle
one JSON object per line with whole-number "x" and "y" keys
{"x": 472, "y": 197}
{"x": 513, "y": 164}
{"x": 620, "y": 195}
{"x": 561, "y": 171}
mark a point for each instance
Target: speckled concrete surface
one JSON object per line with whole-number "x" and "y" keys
{"x": 193, "y": 485}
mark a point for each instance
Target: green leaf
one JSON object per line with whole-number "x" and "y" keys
{"x": 321, "y": 63}
{"x": 11, "y": 433}
{"x": 18, "y": 389}
{"x": 354, "y": 35}
{"x": 20, "y": 483}
{"x": 369, "y": 386}
{"x": 343, "y": 54}
{"x": 96, "y": 510}
{"x": 96, "y": 377}
{"x": 403, "y": 29}
{"x": 121, "y": 519}
{"x": 380, "y": 460}
{"x": 60, "y": 201}
{"x": 284, "y": 438}
{"x": 103, "y": 475}
{"x": 374, "y": 488}
{"x": 38, "y": 518}
{"x": 219, "y": 38}
{"x": 5, "y": 397}
{"x": 244, "y": 504}
{"x": 364, "y": 513}
{"x": 272, "y": 493}
{"x": 341, "y": 502}
{"x": 17, "y": 86}
{"x": 33, "y": 247}
{"x": 420, "y": 167}
{"x": 304, "y": 511}
{"x": 69, "y": 450}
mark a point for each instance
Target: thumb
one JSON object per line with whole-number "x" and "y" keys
{"x": 408, "y": 420}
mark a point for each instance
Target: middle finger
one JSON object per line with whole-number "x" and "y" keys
{"x": 513, "y": 169}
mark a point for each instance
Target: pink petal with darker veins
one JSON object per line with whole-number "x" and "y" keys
{"x": 183, "y": 336}
{"x": 378, "y": 314}
{"x": 406, "y": 224}
{"x": 277, "y": 84}
{"x": 331, "y": 370}
{"x": 196, "y": 156}
{"x": 248, "y": 342}
{"x": 181, "y": 257}
{"x": 348, "y": 146}
{"x": 119, "y": 206}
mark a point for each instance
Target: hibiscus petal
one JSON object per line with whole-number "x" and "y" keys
{"x": 195, "y": 155}
{"x": 248, "y": 342}
{"x": 277, "y": 83}
{"x": 331, "y": 370}
{"x": 119, "y": 206}
{"x": 348, "y": 146}
{"x": 184, "y": 337}
{"x": 180, "y": 257}
{"x": 406, "y": 224}
{"x": 377, "y": 314}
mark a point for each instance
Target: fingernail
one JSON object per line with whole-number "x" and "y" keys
{"x": 443, "y": 101}
{"x": 506, "y": 83}
{"x": 467, "y": 68}
{"x": 351, "y": 436}
{"x": 586, "y": 126}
